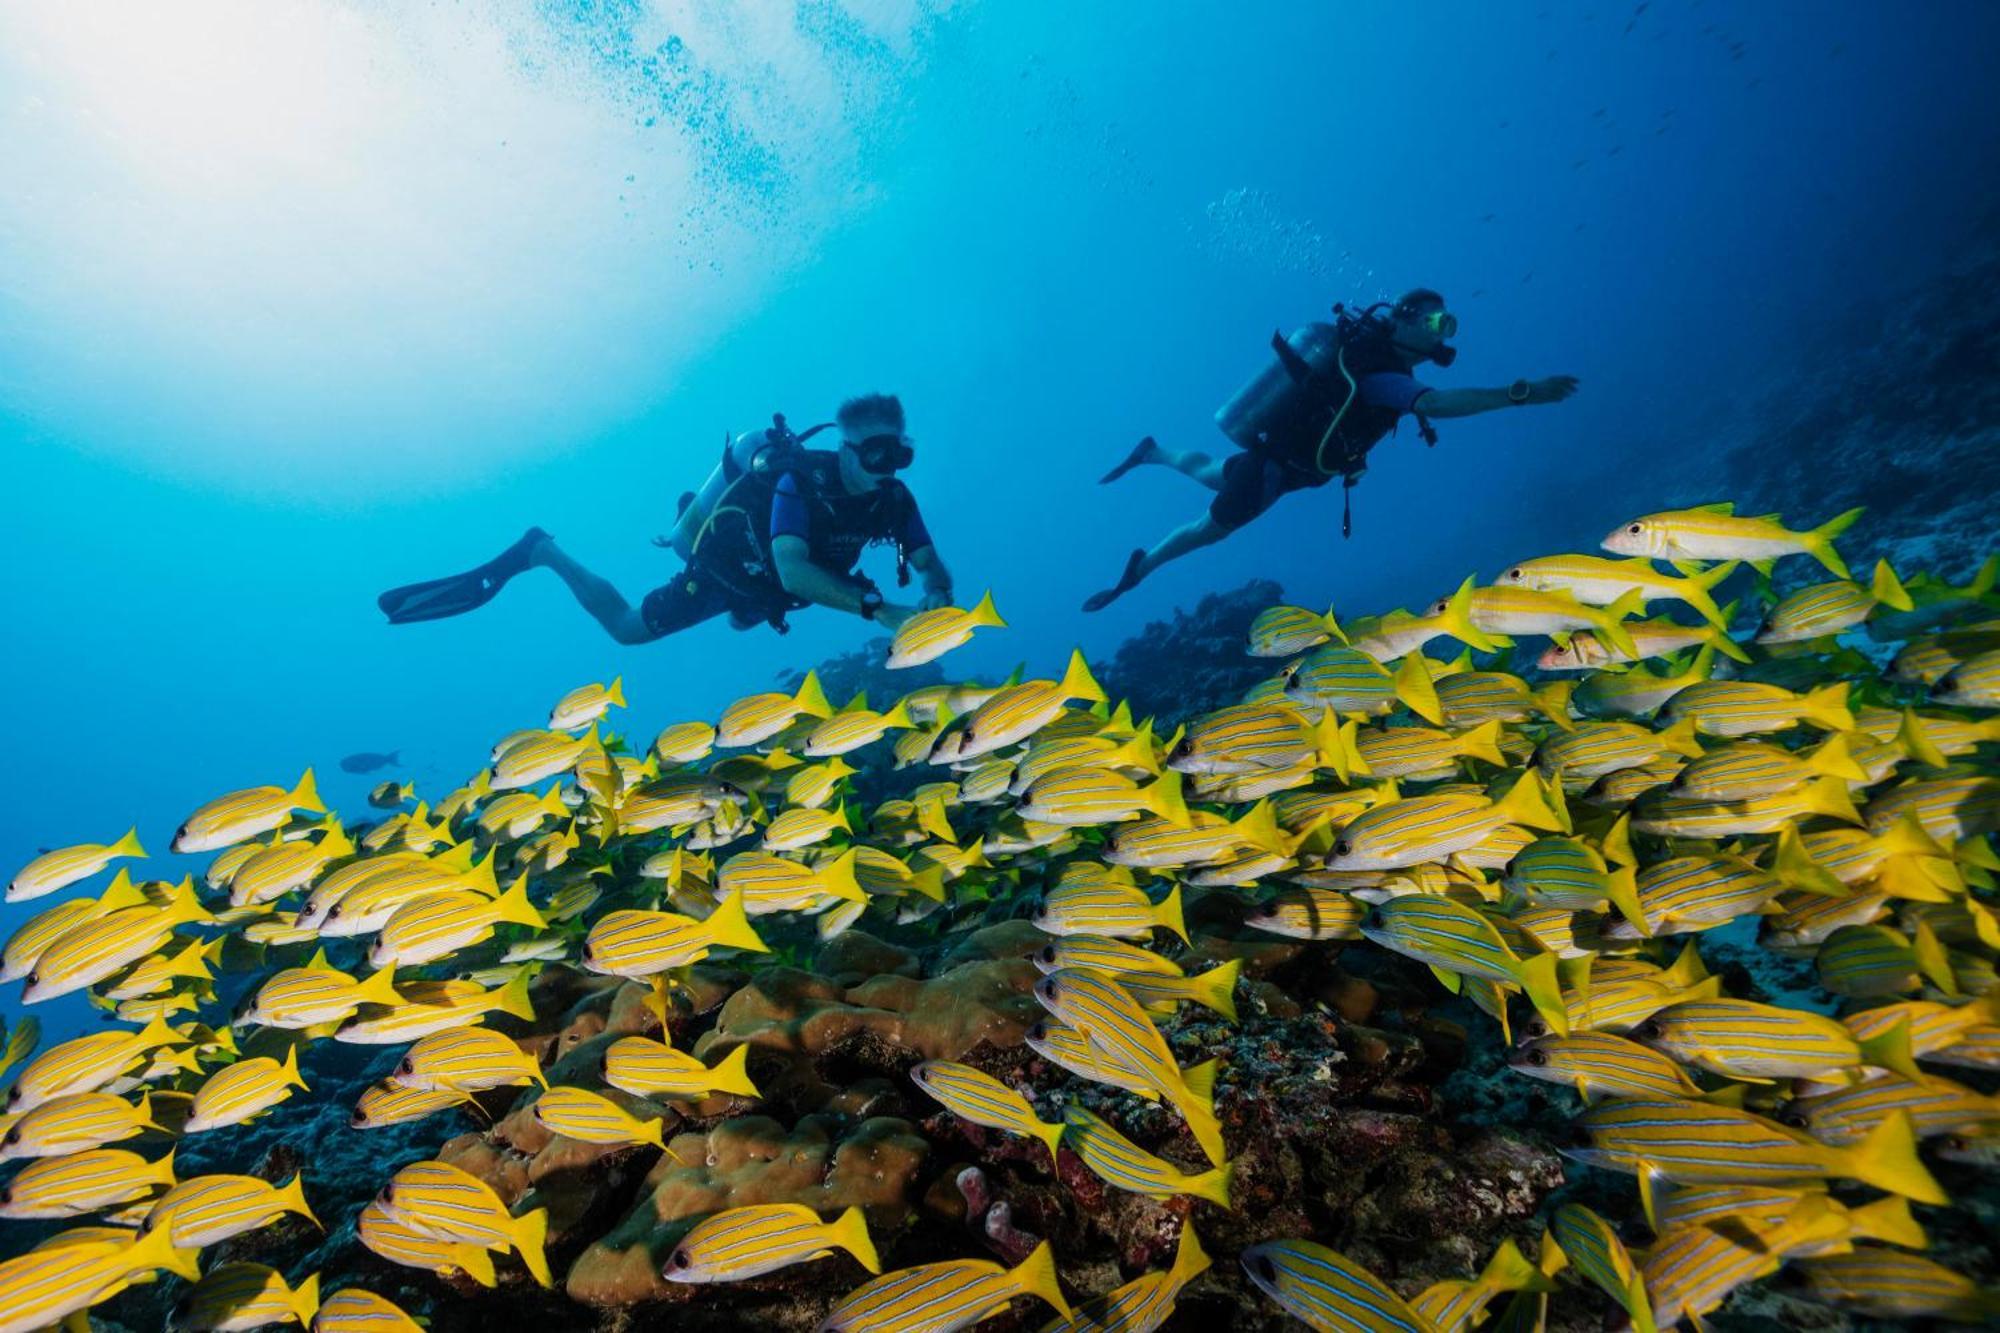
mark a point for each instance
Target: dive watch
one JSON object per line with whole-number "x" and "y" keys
{"x": 1518, "y": 391}
{"x": 871, "y": 604}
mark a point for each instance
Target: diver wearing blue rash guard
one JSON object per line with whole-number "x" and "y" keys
{"x": 777, "y": 527}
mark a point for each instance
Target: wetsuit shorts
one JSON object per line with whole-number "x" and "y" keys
{"x": 1252, "y": 483}
{"x": 687, "y": 599}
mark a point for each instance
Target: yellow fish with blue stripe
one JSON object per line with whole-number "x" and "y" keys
{"x": 243, "y": 815}
{"x": 1417, "y": 829}
{"x": 1124, "y": 1164}
{"x": 234, "y": 1297}
{"x": 1327, "y": 1290}
{"x": 1143, "y": 1304}
{"x": 587, "y": 1117}
{"x": 66, "y": 865}
{"x": 758, "y": 717}
{"x": 1592, "y": 1247}
{"x": 54, "y": 1283}
{"x": 1458, "y": 941}
{"x": 984, "y": 1100}
{"x": 74, "y": 1123}
{"x": 1019, "y": 711}
{"x": 466, "y": 1060}
{"x": 207, "y": 1210}
{"x": 438, "y": 925}
{"x": 929, "y": 635}
{"x": 944, "y": 1297}
{"x": 1115, "y": 1024}
{"x": 647, "y": 1068}
{"x": 103, "y": 945}
{"x": 748, "y": 1242}
{"x": 1696, "y": 1143}
{"x": 451, "y": 1205}
{"x": 85, "y": 1064}
{"x": 82, "y": 1183}
{"x": 358, "y": 1310}
{"x": 637, "y": 943}
{"x": 243, "y": 1091}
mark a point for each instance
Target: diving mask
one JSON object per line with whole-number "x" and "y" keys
{"x": 884, "y": 453}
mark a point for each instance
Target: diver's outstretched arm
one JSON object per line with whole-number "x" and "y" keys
{"x": 1188, "y": 537}
{"x": 595, "y": 594}
{"x": 1442, "y": 403}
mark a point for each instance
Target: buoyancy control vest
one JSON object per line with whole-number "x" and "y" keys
{"x": 733, "y": 542}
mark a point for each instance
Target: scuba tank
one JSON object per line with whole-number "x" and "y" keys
{"x": 1275, "y": 406}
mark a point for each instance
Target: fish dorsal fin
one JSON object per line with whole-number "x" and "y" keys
{"x": 1719, "y": 507}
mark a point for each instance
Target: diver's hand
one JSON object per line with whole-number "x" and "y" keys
{"x": 892, "y": 616}
{"x": 934, "y": 598}
{"x": 1552, "y": 390}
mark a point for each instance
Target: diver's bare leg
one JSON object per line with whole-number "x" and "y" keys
{"x": 1201, "y": 467}
{"x": 594, "y": 593}
{"x": 1188, "y": 537}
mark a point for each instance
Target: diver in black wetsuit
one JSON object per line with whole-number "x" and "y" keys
{"x": 777, "y": 527}
{"x": 1335, "y": 391}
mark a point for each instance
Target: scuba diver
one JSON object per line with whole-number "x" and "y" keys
{"x": 775, "y": 528}
{"x": 1334, "y": 392}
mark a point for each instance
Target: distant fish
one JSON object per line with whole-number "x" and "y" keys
{"x": 367, "y": 761}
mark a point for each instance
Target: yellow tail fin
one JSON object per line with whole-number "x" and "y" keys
{"x": 729, "y": 926}
{"x": 513, "y": 998}
{"x": 1414, "y": 685}
{"x": 731, "y": 1074}
{"x": 1213, "y": 1185}
{"x": 1819, "y": 542}
{"x": 1078, "y": 683}
{"x": 1483, "y": 743}
{"x": 811, "y": 699}
{"x": 850, "y": 1230}
{"x": 985, "y": 614}
{"x": 1189, "y": 1258}
{"x": 1538, "y": 979}
{"x": 288, "y": 1070}
{"x": 305, "y": 796}
{"x": 1891, "y": 1051}
{"x": 292, "y": 1198}
{"x": 128, "y": 845}
{"x": 305, "y": 1300}
{"x": 837, "y": 878}
{"x": 1037, "y": 1277}
{"x": 379, "y": 988}
{"x": 514, "y": 906}
{"x": 1830, "y": 797}
{"x": 1697, "y": 590}
{"x": 616, "y": 692}
{"x": 1887, "y": 1159}
{"x": 1833, "y": 759}
{"x": 1889, "y": 1221}
{"x": 1167, "y": 914}
{"x": 530, "y": 1232}
{"x": 1216, "y": 988}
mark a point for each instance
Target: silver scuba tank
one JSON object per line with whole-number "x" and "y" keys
{"x": 1274, "y": 408}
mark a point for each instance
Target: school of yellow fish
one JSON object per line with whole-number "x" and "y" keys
{"x": 1553, "y": 852}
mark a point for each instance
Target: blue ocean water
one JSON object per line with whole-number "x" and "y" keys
{"x": 304, "y": 300}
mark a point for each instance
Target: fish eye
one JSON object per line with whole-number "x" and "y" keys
{"x": 1633, "y": 529}
{"x": 1538, "y": 1057}
{"x": 680, "y": 1259}
{"x": 406, "y": 1068}
{"x": 1342, "y": 847}
{"x": 359, "y": 1120}
{"x": 1648, "y": 1030}
{"x": 1534, "y": 1027}
{"x": 1048, "y": 955}
{"x": 1039, "y": 1032}
{"x": 34, "y": 978}
{"x": 1051, "y": 990}
{"x": 333, "y": 911}
{"x": 1796, "y": 1119}
{"x": 389, "y": 1193}
{"x": 1263, "y": 1268}
{"x": 1515, "y": 574}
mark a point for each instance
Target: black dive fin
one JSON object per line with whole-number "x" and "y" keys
{"x": 456, "y": 594}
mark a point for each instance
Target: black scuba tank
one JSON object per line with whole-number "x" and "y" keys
{"x": 1276, "y": 411}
